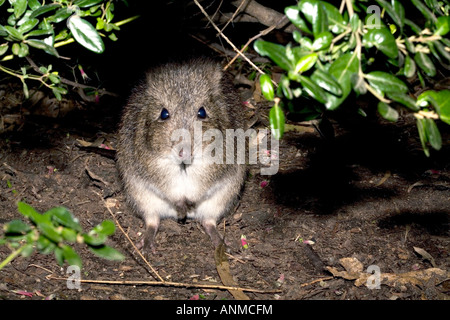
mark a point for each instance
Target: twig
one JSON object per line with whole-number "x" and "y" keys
{"x": 226, "y": 39}
{"x": 69, "y": 82}
{"x": 171, "y": 284}
{"x": 349, "y": 5}
{"x": 263, "y": 14}
{"x": 234, "y": 15}
{"x": 12, "y": 256}
{"x": 128, "y": 238}
{"x": 372, "y": 91}
{"x": 314, "y": 281}
{"x": 161, "y": 281}
{"x": 217, "y": 10}
{"x": 262, "y": 33}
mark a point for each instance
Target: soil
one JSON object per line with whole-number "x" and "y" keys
{"x": 367, "y": 196}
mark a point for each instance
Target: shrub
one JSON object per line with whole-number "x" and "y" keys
{"x": 366, "y": 47}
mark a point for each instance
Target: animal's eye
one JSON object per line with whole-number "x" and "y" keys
{"x": 201, "y": 114}
{"x": 164, "y": 114}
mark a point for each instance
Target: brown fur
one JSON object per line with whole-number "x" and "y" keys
{"x": 156, "y": 185}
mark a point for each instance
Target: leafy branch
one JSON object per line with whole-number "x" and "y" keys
{"x": 32, "y": 25}
{"x": 365, "y": 46}
{"x": 50, "y": 232}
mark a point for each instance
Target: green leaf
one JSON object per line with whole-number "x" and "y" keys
{"x": 34, "y": 4}
{"x": 16, "y": 226}
{"x": 113, "y": 37}
{"x": 327, "y": 82}
{"x": 423, "y": 136}
{"x": 44, "y": 9}
{"x": 3, "y": 48}
{"x": 386, "y": 82}
{"x": 275, "y": 52}
{"x": 29, "y": 212}
{"x": 39, "y": 44}
{"x": 342, "y": 70}
{"x": 49, "y": 230}
{"x": 64, "y": 217}
{"x": 58, "y": 91}
{"x": 71, "y": 256}
{"x": 54, "y": 78}
{"x": 100, "y": 24}
{"x": 440, "y": 48}
{"x": 277, "y": 121}
{"x": 266, "y": 86}
{"x": 306, "y": 62}
{"x": 284, "y": 86}
{"x": 85, "y": 34}
{"x": 313, "y": 89}
{"x": 26, "y": 93}
{"x": 322, "y": 41}
{"x": 434, "y": 5}
{"x": 107, "y": 252}
{"x": 297, "y": 35}
{"x": 432, "y": 131}
{"x": 383, "y": 40}
{"x": 15, "y": 48}
{"x": 87, "y": 3}
{"x": 305, "y": 43}
{"x": 59, "y": 255}
{"x": 336, "y": 22}
{"x": 387, "y": 112}
{"x": 358, "y": 84}
{"x": 440, "y": 101}
{"x": 69, "y": 235}
{"x": 424, "y": 10}
{"x": 316, "y": 14}
{"x": 320, "y": 20}
{"x": 354, "y": 22}
{"x": 404, "y": 99}
{"x": 424, "y": 62}
{"x": 98, "y": 235}
{"x": 400, "y": 11}
{"x": 3, "y": 32}
{"x": 409, "y": 69}
{"x": 293, "y": 13}
{"x": 44, "y": 245}
{"x": 28, "y": 25}
{"x": 106, "y": 228}
{"x": 23, "y": 51}
{"x": 39, "y": 32}
{"x": 60, "y": 15}
{"x": 391, "y": 12}
{"x": 414, "y": 27}
{"x": 442, "y": 26}
{"x": 19, "y": 7}
{"x": 14, "y": 33}
{"x": 27, "y": 250}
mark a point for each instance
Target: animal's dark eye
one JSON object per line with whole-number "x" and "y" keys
{"x": 201, "y": 114}
{"x": 164, "y": 114}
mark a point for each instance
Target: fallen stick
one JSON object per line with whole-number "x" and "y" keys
{"x": 166, "y": 284}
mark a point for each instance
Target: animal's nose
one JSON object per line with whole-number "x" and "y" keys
{"x": 184, "y": 155}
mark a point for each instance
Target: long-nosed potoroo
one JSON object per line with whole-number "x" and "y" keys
{"x": 172, "y": 154}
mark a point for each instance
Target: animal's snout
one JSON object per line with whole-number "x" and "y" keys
{"x": 185, "y": 154}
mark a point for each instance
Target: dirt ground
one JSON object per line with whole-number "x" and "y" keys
{"x": 338, "y": 209}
